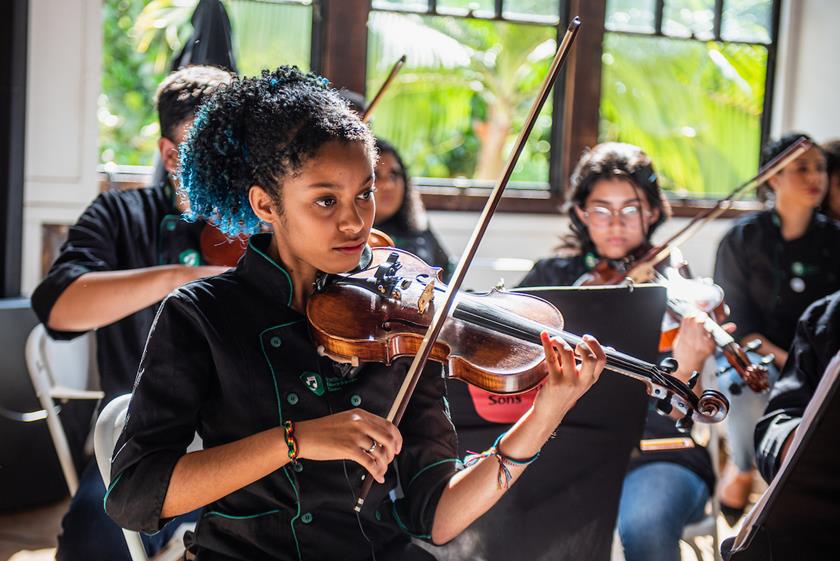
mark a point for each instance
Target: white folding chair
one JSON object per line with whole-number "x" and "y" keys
{"x": 62, "y": 371}
{"x": 108, "y": 428}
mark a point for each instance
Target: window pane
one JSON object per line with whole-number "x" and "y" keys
{"x": 545, "y": 10}
{"x": 747, "y": 20}
{"x": 266, "y": 35}
{"x": 478, "y": 8}
{"x": 694, "y": 107}
{"x": 686, "y": 18}
{"x": 631, "y": 15}
{"x": 455, "y": 108}
{"x": 414, "y": 5}
{"x": 139, "y": 39}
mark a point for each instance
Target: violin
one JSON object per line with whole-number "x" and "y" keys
{"x": 491, "y": 340}
{"x": 687, "y": 296}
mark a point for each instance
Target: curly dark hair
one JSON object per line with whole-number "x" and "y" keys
{"x": 608, "y": 161}
{"x": 411, "y": 216}
{"x": 181, "y": 93}
{"x": 259, "y": 131}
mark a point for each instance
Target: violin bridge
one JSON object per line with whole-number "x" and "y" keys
{"x": 426, "y": 297}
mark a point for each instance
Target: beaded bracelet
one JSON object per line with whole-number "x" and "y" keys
{"x": 504, "y": 476}
{"x": 291, "y": 440}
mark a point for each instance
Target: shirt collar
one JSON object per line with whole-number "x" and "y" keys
{"x": 263, "y": 272}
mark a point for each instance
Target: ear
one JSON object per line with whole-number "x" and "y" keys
{"x": 580, "y": 214}
{"x": 773, "y": 182}
{"x": 263, "y": 204}
{"x": 168, "y": 154}
{"x": 654, "y": 216}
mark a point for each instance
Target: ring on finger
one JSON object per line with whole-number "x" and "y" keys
{"x": 373, "y": 446}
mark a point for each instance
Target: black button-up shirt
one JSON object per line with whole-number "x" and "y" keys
{"x": 120, "y": 230}
{"x": 228, "y": 357}
{"x": 564, "y": 271}
{"x": 816, "y": 342}
{"x": 769, "y": 281}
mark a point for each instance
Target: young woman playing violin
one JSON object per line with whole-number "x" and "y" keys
{"x": 287, "y": 433}
{"x": 616, "y": 205}
{"x": 772, "y": 266}
{"x": 400, "y": 212}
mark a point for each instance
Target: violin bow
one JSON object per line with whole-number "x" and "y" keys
{"x": 385, "y": 85}
{"x": 442, "y": 312}
{"x": 771, "y": 168}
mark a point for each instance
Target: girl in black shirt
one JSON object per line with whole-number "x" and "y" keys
{"x": 772, "y": 265}
{"x": 287, "y": 433}
{"x": 400, "y": 212}
{"x": 616, "y": 205}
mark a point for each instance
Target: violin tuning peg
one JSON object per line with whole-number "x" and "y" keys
{"x": 768, "y": 359}
{"x": 664, "y": 406}
{"x": 692, "y": 381}
{"x": 722, "y": 370}
{"x": 735, "y": 388}
{"x": 669, "y": 365}
{"x": 685, "y": 424}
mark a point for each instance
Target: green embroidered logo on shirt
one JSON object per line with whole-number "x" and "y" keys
{"x": 313, "y": 381}
{"x": 190, "y": 257}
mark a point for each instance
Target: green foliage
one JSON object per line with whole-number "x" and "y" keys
{"x": 459, "y": 72}
{"x": 140, "y": 38}
{"x": 694, "y": 107}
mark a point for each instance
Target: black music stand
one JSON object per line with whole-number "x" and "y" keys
{"x": 565, "y": 506}
{"x": 798, "y": 517}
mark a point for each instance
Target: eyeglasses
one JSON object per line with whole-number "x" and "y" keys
{"x": 601, "y": 216}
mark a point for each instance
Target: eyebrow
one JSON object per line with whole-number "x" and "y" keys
{"x": 624, "y": 202}
{"x": 329, "y": 185}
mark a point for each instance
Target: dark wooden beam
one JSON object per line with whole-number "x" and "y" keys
{"x": 13, "y": 31}
{"x": 342, "y": 42}
{"x": 582, "y": 98}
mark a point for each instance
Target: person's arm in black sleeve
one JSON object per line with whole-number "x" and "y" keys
{"x": 431, "y": 459}
{"x": 85, "y": 289}
{"x": 175, "y": 375}
{"x": 790, "y": 395}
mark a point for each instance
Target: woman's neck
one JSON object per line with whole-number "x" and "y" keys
{"x": 795, "y": 220}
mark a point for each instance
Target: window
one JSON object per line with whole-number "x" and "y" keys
{"x": 687, "y": 80}
{"x": 473, "y": 69}
{"x": 140, "y": 38}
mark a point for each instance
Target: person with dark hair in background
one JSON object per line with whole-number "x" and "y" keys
{"x": 400, "y": 212}
{"x": 287, "y": 432}
{"x": 772, "y": 265}
{"x": 615, "y": 206}
{"x": 831, "y": 204}
{"x": 127, "y": 251}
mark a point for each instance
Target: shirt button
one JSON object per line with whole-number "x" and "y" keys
{"x": 292, "y": 398}
{"x": 276, "y": 342}
{"x": 378, "y": 515}
{"x": 298, "y": 467}
{"x": 306, "y": 518}
{"x": 355, "y": 400}
{"x": 170, "y": 225}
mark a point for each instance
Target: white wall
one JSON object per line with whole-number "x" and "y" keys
{"x": 64, "y": 73}
{"x": 807, "y": 95}
{"x": 514, "y": 241}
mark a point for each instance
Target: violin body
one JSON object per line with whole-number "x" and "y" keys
{"x": 373, "y": 329}
{"x": 491, "y": 340}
